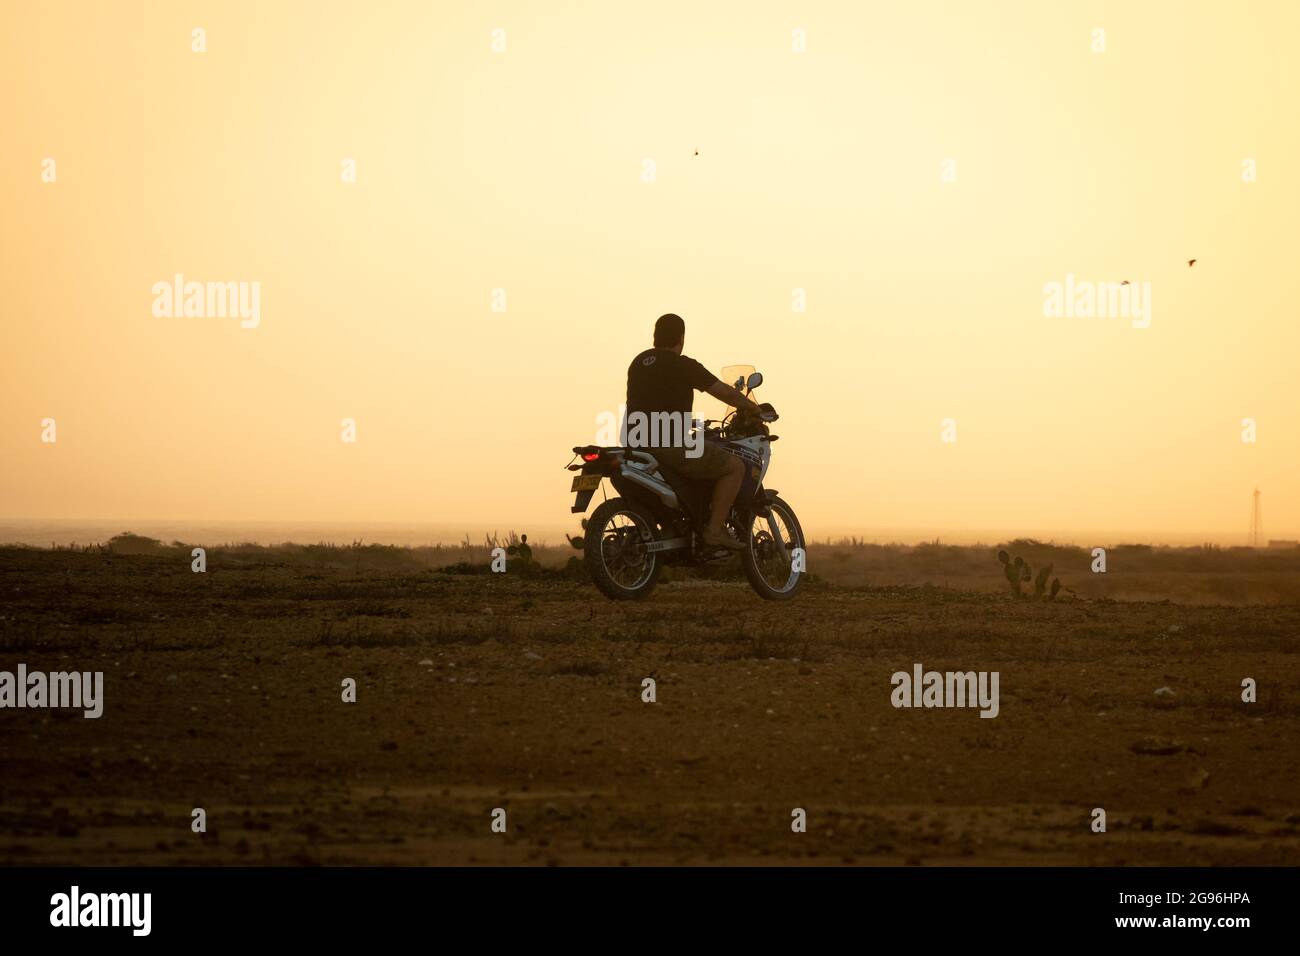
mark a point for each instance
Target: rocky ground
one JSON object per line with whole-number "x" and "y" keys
{"x": 223, "y": 691}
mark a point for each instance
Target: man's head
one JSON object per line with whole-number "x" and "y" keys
{"x": 670, "y": 332}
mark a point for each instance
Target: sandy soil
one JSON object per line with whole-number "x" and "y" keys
{"x": 223, "y": 691}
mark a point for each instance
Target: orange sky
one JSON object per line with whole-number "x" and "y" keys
{"x": 522, "y": 170}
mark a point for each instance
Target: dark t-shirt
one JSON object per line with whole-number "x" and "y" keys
{"x": 660, "y": 380}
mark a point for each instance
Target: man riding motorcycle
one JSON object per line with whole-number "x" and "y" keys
{"x": 659, "y": 383}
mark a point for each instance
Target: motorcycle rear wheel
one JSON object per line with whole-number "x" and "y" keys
{"x": 614, "y": 550}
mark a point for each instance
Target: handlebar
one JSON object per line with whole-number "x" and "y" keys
{"x": 737, "y": 421}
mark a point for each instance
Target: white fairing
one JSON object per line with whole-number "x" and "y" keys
{"x": 642, "y": 468}
{"x": 761, "y": 449}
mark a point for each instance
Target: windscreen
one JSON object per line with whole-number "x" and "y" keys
{"x": 706, "y": 406}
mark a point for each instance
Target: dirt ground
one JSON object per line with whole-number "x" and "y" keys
{"x": 476, "y": 692}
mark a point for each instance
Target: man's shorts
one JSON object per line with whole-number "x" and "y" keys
{"x": 709, "y": 466}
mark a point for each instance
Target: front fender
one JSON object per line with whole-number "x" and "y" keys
{"x": 762, "y": 501}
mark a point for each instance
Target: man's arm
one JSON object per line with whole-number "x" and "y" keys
{"x": 731, "y": 396}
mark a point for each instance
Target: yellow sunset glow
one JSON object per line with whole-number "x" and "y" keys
{"x": 523, "y": 170}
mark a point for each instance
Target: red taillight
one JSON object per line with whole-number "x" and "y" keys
{"x": 591, "y": 456}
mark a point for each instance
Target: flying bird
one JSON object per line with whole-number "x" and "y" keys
{"x": 697, "y": 152}
{"x": 1190, "y": 263}
{"x": 1125, "y": 282}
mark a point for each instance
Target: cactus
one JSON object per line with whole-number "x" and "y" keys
{"x": 1013, "y": 570}
{"x": 1040, "y": 582}
{"x": 1018, "y": 572}
{"x": 521, "y": 550}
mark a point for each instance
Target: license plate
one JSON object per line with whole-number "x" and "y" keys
{"x": 585, "y": 482}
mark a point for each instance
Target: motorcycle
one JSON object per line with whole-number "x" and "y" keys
{"x": 658, "y": 515}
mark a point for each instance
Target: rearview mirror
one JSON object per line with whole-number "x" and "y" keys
{"x": 755, "y": 380}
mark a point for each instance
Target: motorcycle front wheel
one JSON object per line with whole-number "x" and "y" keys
{"x": 770, "y": 558}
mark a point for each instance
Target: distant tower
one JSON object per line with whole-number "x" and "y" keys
{"x": 1256, "y": 522}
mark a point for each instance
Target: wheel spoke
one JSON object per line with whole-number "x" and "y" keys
{"x": 622, "y": 550}
{"x": 778, "y": 536}
{"x": 772, "y": 548}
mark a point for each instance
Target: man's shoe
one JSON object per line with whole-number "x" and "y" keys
{"x": 720, "y": 540}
